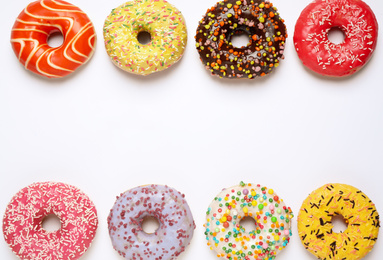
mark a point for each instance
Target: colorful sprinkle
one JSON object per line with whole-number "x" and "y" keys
{"x": 164, "y": 23}
{"x": 271, "y": 232}
{"x": 229, "y": 18}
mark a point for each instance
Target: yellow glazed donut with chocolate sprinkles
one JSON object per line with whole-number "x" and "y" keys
{"x": 162, "y": 21}
{"x": 315, "y": 223}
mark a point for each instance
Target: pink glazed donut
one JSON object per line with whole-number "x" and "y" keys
{"x": 357, "y": 21}
{"x": 168, "y": 206}
{"x": 22, "y": 222}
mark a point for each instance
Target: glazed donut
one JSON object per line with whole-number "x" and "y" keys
{"x": 34, "y": 25}
{"x": 168, "y": 206}
{"x": 256, "y": 18}
{"x": 358, "y": 23}
{"x": 22, "y": 222}
{"x": 315, "y": 226}
{"x": 225, "y": 233}
{"x": 164, "y": 23}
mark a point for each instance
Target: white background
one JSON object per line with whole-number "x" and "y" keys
{"x": 106, "y": 131}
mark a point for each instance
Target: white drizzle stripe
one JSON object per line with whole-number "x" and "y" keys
{"x": 59, "y": 10}
{"x": 69, "y": 57}
{"x": 22, "y": 41}
{"x": 79, "y": 34}
{"x": 90, "y": 41}
{"x": 33, "y": 53}
{"x": 63, "y": 4}
{"x": 29, "y": 30}
{"x": 71, "y": 21}
{"x": 49, "y": 60}
{"x": 22, "y": 45}
{"x": 40, "y": 24}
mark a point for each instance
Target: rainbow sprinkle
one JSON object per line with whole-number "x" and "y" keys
{"x": 161, "y": 20}
{"x": 228, "y": 237}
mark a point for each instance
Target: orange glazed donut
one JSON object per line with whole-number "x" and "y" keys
{"x": 34, "y": 25}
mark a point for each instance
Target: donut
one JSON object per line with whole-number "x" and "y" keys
{"x": 160, "y": 19}
{"x": 259, "y": 20}
{"x": 354, "y": 18}
{"x": 224, "y": 230}
{"x": 39, "y": 20}
{"x": 316, "y": 230}
{"x": 168, "y": 206}
{"x": 22, "y": 222}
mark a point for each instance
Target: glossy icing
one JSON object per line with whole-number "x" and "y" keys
{"x": 359, "y": 25}
{"x": 22, "y": 222}
{"x": 315, "y": 226}
{"x": 34, "y": 25}
{"x": 259, "y": 20}
{"x": 161, "y": 20}
{"x": 168, "y": 206}
{"x": 225, "y": 233}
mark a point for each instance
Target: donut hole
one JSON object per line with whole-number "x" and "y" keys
{"x": 240, "y": 39}
{"x": 55, "y": 39}
{"x": 51, "y": 223}
{"x": 150, "y": 224}
{"x": 144, "y": 37}
{"x": 339, "y": 224}
{"x": 248, "y": 223}
{"x": 336, "y": 35}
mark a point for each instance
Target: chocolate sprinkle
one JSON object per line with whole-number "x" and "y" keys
{"x": 315, "y": 223}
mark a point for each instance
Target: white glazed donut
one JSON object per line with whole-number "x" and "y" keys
{"x": 225, "y": 233}
{"x": 168, "y": 206}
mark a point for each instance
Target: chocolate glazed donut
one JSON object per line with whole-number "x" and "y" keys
{"x": 255, "y": 18}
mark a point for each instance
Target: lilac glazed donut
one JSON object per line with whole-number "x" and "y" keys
{"x": 168, "y": 206}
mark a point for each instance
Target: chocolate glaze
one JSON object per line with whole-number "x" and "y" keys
{"x": 258, "y": 19}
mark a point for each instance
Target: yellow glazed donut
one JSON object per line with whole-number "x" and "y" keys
{"x": 164, "y": 23}
{"x": 315, "y": 226}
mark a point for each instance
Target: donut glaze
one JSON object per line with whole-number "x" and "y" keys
{"x": 315, "y": 226}
{"x": 166, "y": 26}
{"x": 34, "y": 25}
{"x": 168, "y": 206}
{"x": 358, "y": 23}
{"x": 225, "y": 233}
{"x": 256, "y": 18}
{"x": 22, "y": 222}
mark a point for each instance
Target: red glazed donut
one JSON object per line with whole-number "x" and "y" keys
{"x": 357, "y": 21}
{"x": 22, "y": 222}
{"x": 34, "y": 25}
